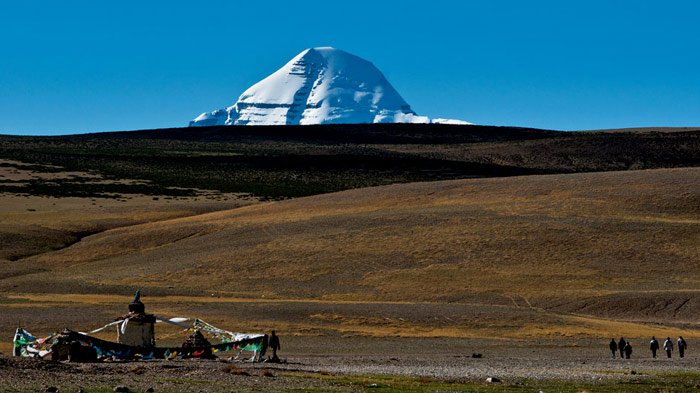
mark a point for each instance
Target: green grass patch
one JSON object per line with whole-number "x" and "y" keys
{"x": 660, "y": 383}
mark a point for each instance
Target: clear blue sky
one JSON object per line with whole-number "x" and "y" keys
{"x": 76, "y": 66}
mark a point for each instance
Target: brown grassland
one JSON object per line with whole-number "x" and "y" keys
{"x": 535, "y": 248}
{"x": 578, "y": 255}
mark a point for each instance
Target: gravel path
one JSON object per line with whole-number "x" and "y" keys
{"x": 511, "y": 368}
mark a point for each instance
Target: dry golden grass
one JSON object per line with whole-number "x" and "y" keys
{"x": 31, "y": 224}
{"x": 560, "y": 256}
{"x": 313, "y": 317}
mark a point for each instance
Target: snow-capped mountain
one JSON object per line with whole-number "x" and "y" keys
{"x": 319, "y": 86}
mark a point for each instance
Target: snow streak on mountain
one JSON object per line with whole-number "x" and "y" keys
{"x": 319, "y": 86}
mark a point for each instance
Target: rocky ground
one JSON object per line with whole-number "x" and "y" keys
{"x": 375, "y": 364}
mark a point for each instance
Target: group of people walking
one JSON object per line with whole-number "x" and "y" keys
{"x": 625, "y": 347}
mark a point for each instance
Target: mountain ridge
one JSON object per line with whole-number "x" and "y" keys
{"x": 320, "y": 85}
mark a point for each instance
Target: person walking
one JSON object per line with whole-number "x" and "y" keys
{"x": 654, "y": 346}
{"x": 274, "y": 345}
{"x": 263, "y": 348}
{"x": 613, "y": 348}
{"x": 682, "y": 345}
{"x": 668, "y": 347}
{"x": 628, "y": 350}
{"x": 621, "y": 347}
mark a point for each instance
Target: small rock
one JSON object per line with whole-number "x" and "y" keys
{"x": 493, "y": 380}
{"x": 633, "y": 372}
{"x": 52, "y": 389}
{"x": 150, "y": 390}
{"x": 121, "y": 389}
{"x": 373, "y": 385}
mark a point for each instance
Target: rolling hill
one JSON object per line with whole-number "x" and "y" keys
{"x": 515, "y": 256}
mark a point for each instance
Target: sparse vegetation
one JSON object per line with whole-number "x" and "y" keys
{"x": 274, "y": 162}
{"x": 668, "y": 382}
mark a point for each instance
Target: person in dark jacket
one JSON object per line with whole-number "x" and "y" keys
{"x": 274, "y": 345}
{"x": 682, "y": 345}
{"x": 653, "y": 346}
{"x": 613, "y": 348}
{"x": 263, "y": 348}
{"x": 621, "y": 347}
{"x": 628, "y": 350}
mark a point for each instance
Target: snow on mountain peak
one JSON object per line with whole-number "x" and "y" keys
{"x": 318, "y": 86}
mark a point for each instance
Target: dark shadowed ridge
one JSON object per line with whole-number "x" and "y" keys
{"x": 339, "y": 133}
{"x": 293, "y": 161}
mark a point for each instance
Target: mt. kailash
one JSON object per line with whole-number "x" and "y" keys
{"x": 319, "y": 86}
